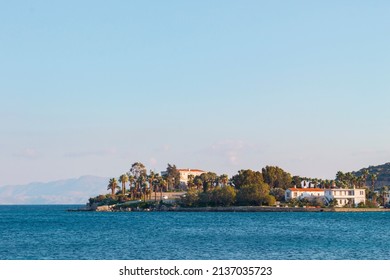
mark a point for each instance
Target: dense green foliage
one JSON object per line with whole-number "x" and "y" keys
{"x": 246, "y": 188}
{"x": 276, "y": 177}
{"x": 382, "y": 173}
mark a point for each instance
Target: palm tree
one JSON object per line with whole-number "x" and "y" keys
{"x": 142, "y": 185}
{"x": 374, "y": 178}
{"x": 151, "y": 179}
{"x": 223, "y": 179}
{"x": 340, "y": 177}
{"x": 190, "y": 181}
{"x": 123, "y": 179}
{"x": 112, "y": 185}
{"x": 198, "y": 182}
{"x": 365, "y": 175}
{"x": 383, "y": 194}
{"x": 138, "y": 170}
{"x": 361, "y": 181}
{"x": 131, "y": 185}
{"x": 156, "y": 184}
{"x": 163, "y": 185}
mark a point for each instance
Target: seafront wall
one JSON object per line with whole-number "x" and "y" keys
{"x": 249, "y": 209}
{"x": 274, "y": 209}
{"x": 111, "y": 208}
{"x": 361, "y": 210}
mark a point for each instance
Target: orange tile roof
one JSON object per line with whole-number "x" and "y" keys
{"x": 306, "y": 189}
{"x": 190, "y": 170}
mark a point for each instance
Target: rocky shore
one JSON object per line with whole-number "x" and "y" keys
{"x": 115, "y": 208}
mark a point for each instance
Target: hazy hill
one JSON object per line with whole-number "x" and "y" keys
{"x": 382, "y": 171}
{"x": 70, "y": 191}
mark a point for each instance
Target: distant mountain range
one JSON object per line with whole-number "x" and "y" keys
{"x": 70, "y": 191}
{"x": 78, "y": 190}
{"x": 382, "y": 171}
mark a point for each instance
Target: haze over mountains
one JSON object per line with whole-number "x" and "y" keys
{"x": 69, "y": 191}
{"x": 78, "y": 190}
{"x": 382, "y": 171}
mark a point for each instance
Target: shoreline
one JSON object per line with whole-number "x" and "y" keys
{"x": 242, "y": 209}
{"x": 275, "y": 209}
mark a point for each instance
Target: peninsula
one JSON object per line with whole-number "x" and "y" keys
{"x": 271, "y": 189}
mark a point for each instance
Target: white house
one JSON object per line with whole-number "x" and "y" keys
{"x": 184, "y": 173}
{"x": 300, "y": 193}
{"x": 345, "y": 196}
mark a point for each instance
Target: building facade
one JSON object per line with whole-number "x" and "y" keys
{"x": 184, "y": 173}
{"x": 346, "y": 196}
{"x": 300, "y": 193}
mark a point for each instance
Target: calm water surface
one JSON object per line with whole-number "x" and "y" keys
{"x": 49, "y": 232}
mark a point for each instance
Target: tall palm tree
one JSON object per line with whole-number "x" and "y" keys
{"x": 156, "y": 184}
{"x": 151, "y": 178}
{"x": 142, "y": 185}
{"x": 190, "y": 181}
{"x": 131, "y": 185}
{"x": 340, "y": 178}
{"x": 374, "y": 178}
{"x": 112, "y": 185}
{"x": 124, "y": 179}
{"x": 163, "y": 185}
{"x": 365, "y": 175}
{"x": 198, "y": 182}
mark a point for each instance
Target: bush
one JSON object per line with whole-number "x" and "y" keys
{"x": 269, "y": 200}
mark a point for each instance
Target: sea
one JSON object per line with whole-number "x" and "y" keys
{"x": 49, "y": 232}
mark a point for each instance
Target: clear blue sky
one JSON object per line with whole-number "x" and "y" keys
{"x": 89, "y": 87}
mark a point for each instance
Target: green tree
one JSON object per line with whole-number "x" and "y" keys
{"x": 112, "y": 185}
{"x": 276, "y": 177}
{"x": 151, "y": 180}
{"x": 191, "y": 198}
{"x": 205, "y": 199}
{"x": 365, "y": 175}
{"x": 131, "y": 184}
{"x": 172, "y": 176}
{"x": 190, "y": 181}
{"x": 223, "y": 180}
{"x": 252, "y": 194}
{"x": 341, "y": 180}
{"x": 278, "y": 193}
{"x": 373, "y": 178}
{"x": 124, "y": 179}
{"x": 246, "y": 177}
{"x": 269, "y": 200}
{"x": 198, "y": 182}
{"x": 224, "y": 196}
{"x": 209, "y": 180}
{"x": 333, "y": 203}
{"x": 296, "y": 181}
{"x": 138, "y": 171}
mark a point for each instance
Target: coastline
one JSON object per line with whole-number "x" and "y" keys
{"x": 275, "y": 209}
{"x": 234, "y": 209}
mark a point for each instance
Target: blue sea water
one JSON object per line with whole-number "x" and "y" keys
{"x": 50, "y": 232}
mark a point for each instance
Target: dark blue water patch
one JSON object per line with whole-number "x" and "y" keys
{"x": 50, "y": 232}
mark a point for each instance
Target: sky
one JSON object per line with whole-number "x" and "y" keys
{"x": 90, "y": 87}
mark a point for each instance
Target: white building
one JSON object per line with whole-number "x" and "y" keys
{"x": 184, "y": 173}
{"x": 300, "y": 193}
{"x": 346, "y": 196}
{"x": 308, "y": 184}
{"x": 386, "y": 196}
